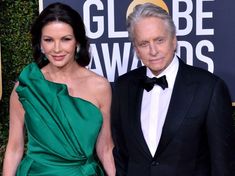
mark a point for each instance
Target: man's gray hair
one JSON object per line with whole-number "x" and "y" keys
{"x": 148, "y": 10}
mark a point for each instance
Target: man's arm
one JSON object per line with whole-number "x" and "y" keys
{"x": 120, "y": 151}
{"x": 220, "y": 130}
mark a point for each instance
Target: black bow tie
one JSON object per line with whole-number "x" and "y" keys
{"x": 148, "y": 83}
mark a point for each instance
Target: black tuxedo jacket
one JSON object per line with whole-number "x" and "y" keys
{"x": 198, "y": 134}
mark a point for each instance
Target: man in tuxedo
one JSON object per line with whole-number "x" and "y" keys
{"x": 179, "y": 123}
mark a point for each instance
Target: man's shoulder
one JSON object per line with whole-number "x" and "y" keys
{"x": 196, "y": 72}
{"x": 133, "y": 74}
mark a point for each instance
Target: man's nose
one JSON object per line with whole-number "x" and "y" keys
{"x": 153, "y": 49}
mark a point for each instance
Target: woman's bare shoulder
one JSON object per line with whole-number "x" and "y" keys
{"x": 97, "y": 80}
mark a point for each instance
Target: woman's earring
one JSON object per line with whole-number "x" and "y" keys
{"x": 77, "y": 51}
{"x": 43, "y": 55}
{"x": 78, "y": 48}
{"x": 42, "y": 50}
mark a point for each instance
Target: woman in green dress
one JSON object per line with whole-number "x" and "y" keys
{"x": 64, "y": 107}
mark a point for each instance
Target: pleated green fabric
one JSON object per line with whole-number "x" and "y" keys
{"x": 62, "y": 130}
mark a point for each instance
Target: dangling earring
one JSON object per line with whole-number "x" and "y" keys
{"x": 45, "y": 58}
{"x": 77, "y": 51}
{"x": 43, "y": 55}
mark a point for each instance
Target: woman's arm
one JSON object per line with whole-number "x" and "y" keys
{"x": 104, "y": 145}
{"x": 15, "y": 145}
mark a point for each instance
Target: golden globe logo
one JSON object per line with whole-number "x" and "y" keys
{"x": 159, "y": 3}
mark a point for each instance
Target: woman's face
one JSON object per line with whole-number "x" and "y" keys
{"x": 58, "y": 43}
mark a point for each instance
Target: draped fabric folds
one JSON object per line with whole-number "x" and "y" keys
{"x": 62, "y": 130}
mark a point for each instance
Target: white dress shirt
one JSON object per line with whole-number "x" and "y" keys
{"x": 155, "y": 104}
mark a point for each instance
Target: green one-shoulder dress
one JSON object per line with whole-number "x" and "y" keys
{"x": 62, "y": 130}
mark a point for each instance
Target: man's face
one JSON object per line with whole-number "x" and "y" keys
{"x": 154, "y": 44}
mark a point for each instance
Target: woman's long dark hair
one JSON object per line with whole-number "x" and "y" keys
{"x": 64, "y": 13}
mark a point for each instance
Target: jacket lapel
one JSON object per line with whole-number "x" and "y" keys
{"x": 181, "y": 99}
{"x": 135, "y": 90}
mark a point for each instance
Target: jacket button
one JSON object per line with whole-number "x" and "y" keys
{"x": 155, "y": 163}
